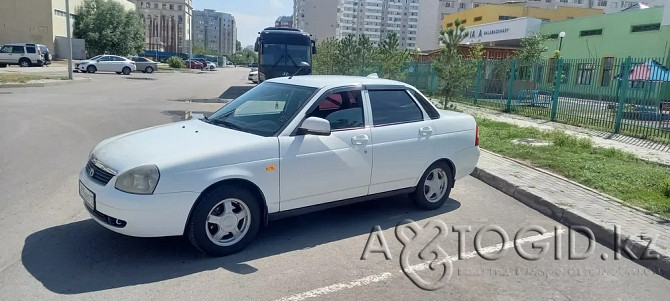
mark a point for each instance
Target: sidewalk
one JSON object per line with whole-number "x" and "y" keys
{"x": 643, "y": 149}
{"x": 573, "y": 204}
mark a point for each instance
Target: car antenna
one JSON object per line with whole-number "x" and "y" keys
{"x": 302, "y": 65}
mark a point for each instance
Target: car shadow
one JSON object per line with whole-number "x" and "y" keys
{"x": 83, "y": 256}
{"x": 235, "y": 92}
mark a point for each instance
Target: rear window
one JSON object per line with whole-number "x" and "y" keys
{"x": 31, "y": 49}
{"x": 392, "y": 107}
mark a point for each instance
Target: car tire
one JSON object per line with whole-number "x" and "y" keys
{"x": 24, "y": 62}
{"x": 434, "y": 186}
{"x": 91, "y": 69}
{"x": 149, "y": 70}
{"x": 224, "y": 220}
{"x": 126, "y": 70}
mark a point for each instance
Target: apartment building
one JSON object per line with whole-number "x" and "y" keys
{"x": 416, "y": 22}
{"x": 168, "y": 24}
{"x": 214, "y": 30}
{"x": 317, "y": 17}
{"x": 43, "y": 22}
{"x": 608, "y": 6}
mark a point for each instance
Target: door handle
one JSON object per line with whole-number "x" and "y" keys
{"x": 426, "y": 131}
{"x": 360, "y": 140}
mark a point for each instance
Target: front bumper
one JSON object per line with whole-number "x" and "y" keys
{"x": 144, "y": 215}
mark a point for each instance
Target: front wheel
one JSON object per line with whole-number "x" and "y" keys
{"x": 224, "y": 221}
{"x": 91, "y": 69}
{"x": 434, "y": 187}
{"x": 126, "y": 70}
{"x": 149, "y": 70}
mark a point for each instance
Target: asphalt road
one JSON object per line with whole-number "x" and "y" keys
{"x": 51, "y": 249}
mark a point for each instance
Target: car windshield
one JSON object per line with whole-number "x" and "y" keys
{"x": 285, "y": 55}
{"x": 263, "y": 110}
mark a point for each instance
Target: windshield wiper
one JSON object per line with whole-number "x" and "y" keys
{"x": 227, "y": 124}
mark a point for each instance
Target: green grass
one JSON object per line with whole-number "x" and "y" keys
{"x": 18, "y": 78}
{"x": 611, "y": 171}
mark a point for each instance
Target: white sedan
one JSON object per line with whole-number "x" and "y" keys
{"x": 288, "y": 146}
{"x": 107, "y": 63}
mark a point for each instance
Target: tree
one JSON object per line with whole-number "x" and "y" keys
{"x": 108, "y": 28}
{"x": 452, "y": 68}
{"x": 326, "y": 60}
{"x": 392, "y": 58}
{"x": 244, "y": 57}
{"x": 531, "y": 48}
{"x": 238, "y": 46}
{"x": 201, "y": 50}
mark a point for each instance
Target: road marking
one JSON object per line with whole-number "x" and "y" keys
{"x": 326, "y": 290}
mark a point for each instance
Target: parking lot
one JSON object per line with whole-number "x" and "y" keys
{"x": 51, "y": 249}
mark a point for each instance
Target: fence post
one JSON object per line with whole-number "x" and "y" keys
{"x": 478, "y": 80}
{"x": 623, "y": 92}
{"x": 557, "y": 88}
{"x": 512, "y": 74}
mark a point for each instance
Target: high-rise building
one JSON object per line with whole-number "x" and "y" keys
{"x": 284, "y": 22}
{"x": 317, "y": 17}
{"x": 215, "y": 30}
{"x": 168, "y": 24}
{"x": 415, "y": 21}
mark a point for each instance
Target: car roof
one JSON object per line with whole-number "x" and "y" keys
{"x": 322, "y": 81}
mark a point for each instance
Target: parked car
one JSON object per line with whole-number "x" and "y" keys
{"x": 211, "y": 66}
{"x": 253, "y": 76}
{"x": 144, "y": 64}
{"x": 46, "y": 54}
{"x": 253, "y": 65}
{"x": 288, "y": 146}
{"x": 22, "y": 54}
{"x": 192, "y": 64}
{"x": 107, "y": 63}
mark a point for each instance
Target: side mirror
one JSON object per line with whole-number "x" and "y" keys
{"x": 314, "y": 126}
{"x": 313, "y": 47}
{"x": 304, "y": 64}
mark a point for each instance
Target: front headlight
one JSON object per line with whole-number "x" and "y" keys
{"x": 139, "y": 180}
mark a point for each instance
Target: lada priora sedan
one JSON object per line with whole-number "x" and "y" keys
{"x": 288, "y": 146}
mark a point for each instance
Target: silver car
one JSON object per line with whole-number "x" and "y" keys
{"x": 144, "y": 64}
{"x": 107, "y": 63}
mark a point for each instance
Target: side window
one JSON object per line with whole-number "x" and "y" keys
{"x": 393, "y": 106}
{"x": 6, "y": 49}
{"x": 425, "y": 103}
{"x": 344, "y": 110}
{"x": 106, "y": 59}
{"x": 17, "y": 49}
{"x": 31, "y": 49}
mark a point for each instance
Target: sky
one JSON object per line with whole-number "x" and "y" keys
{"x": 251, "y": 15}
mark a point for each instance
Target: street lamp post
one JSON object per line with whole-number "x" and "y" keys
{"x": 560, "y": 43}
{"x": 69, "y": 39}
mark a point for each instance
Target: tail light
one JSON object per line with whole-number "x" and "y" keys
{"x": 477, "y": 135}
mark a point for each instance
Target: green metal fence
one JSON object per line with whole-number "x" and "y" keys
{"x": 630, "y": 96}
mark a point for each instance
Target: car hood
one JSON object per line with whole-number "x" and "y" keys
{"x": 183, "y": 146}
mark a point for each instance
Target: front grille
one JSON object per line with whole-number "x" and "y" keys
{"x": 99, "y": 175}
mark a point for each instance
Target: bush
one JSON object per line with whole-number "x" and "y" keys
{"x": 665, "y": 187}
{"x": 176, "y": 62}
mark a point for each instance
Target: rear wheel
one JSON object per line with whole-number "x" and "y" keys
{"x": 24, "y": 62}
{"x": 91, "y": 69}
{"x": 434, "y": 187}
{"x": 126, "y": 70}
{"x": 224, "y": 221}
{"x": 149, "y": 69}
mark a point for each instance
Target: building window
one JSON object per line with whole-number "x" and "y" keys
{"x": 584, "y": 73}
{"x": 450, "y": 24}
{"x": 593, "y": 32}
{"x": 449, "y": 4}
{"x": 564, "y": 1}
{"x": 461, "y": 5}
{"x": 478, "y": 19}
{"x": 607, "y": 70}
{"x": 577, "y": 1}
{"x": 602, "y": 2}
{"x": 171, "y": 6}
{"x": 464, "y": 21}
{"x": 474, "y": 5}
{"x": 179, "y": 7}
{"x": 553, "y": 36}
{"x": 506, "y": 18}
{"x": 645, "y": 27}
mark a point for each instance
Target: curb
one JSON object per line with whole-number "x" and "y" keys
{"x": 42, "y": 85}
{"x": 570, "y": 217}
